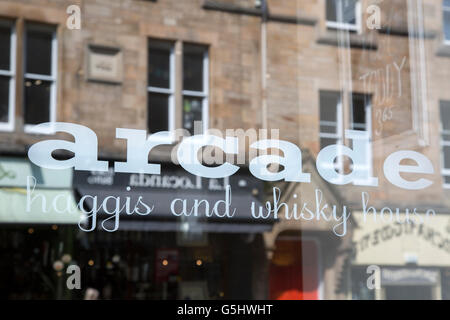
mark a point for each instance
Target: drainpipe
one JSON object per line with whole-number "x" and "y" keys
{"x": 264, "y": 18}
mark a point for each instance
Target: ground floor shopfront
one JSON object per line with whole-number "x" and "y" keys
{"x": 127, "y": 265}
{"x": 154, "y": 256}
{"x": 160, "y": 255}
{"x": 401, "y": 260}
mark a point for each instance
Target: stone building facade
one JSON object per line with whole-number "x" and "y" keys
{"x": 266, "y": 65}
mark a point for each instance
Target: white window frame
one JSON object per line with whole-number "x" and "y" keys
{"x": 445, "y": 172}
{"x": 204, "y": 95}
{"x": 339, "y": 135}
{"x": 445, "y": 8}
{"x": 347, "y": 26}
{"x": 11, "y": 73}
{"x": 53, "y": 78}
{"x": 169, "y": 92}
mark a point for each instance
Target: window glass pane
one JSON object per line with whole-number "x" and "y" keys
{"x": 192, "y": 111}
{"x": 445, "y": 115}
{"x": 37, "y": 101}
{"x": 328, "y": 106}
{"x": 5, "y": 48}
{"x": 4, "y": 98}
{"x": 192, "y": 70}
{"x": 39, "y": 52}
{"x": 341, "y": 11}
{"x": 446, "y": 151}
{"x": 331, "y": 10}
{"x": 447, "y": 25}
{"x": 348, "y": 11}
{"x": 158, "y": 112}
{"x": 447, "y": 179}
{"x": 325, "y": 142}
{"x": 359, "y": 111}
{"x": 159, "y": 67}
{"x": 446, "y": 3}
{"x": 328, "y": 129}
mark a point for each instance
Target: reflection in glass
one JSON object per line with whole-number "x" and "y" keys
{"x": 159, "y": 67}
{"x": 39, "y": 52}
{"x": 360, "y": 103}
{"x": 342, "y": 11}
{"x": 192, "y": 70}
{"x": 158, "y": 115}
{"x": 192, "y": 111}
{"x": 4, "y": 99}
{"x": 37, "y": 100}
{"x": 329, "y": 108}
{"x": 5, "y": 45}
{"x": 446, "y": 21}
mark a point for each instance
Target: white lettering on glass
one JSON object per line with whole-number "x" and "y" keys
{"x": 84, "y": 150}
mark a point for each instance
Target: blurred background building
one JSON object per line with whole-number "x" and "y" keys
{"x": 309, "y": 69}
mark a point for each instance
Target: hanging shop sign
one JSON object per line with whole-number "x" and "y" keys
{"x": 409, "y": 276}
{"x": 381, "y": 241}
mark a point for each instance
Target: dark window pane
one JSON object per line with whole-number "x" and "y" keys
{"x": 37, "y": 101}
{"x": 446, "y": 151}
{"x": 445, "y": 114}
{"x": 328, "y": 129}
{"x": 359, "y": 111}
{"x": 158, "y": 112}
{"x": 5, "y": 48}
{"x": 159, "y": 68}
{"x": 447, "y": 179}
{"x": 447, "y": 24}
{"x": 4, "y": 98}
{"x": 39, "y": 52}
{"x": 192, "y": 111}
{"x": 349, "y": 11}
{"x": 341, "y": 11}
{"x": 446, "y": 137}
{"x": 325, "y": 142}
{"x": 328, "y": 106}
{"x": 331, "y": 10}
{"x": 193, "y": 70}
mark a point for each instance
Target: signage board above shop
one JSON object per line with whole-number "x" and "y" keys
{"x": 396, "y": 243}
{"x": 225, "y": 203}
{"x": 409, "y": 276}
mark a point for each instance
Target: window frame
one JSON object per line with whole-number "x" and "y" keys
{"x": 204, "y": 95}
{"x": 170, "y": 92}
{"x": 445, "y": 172}
{"x": 52, "y": 78}
{"x": 11, "y": 73}
{"x": 445, "y": 8}
{"x": 346, "y": 26}
{"x": 339, "y": 135}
